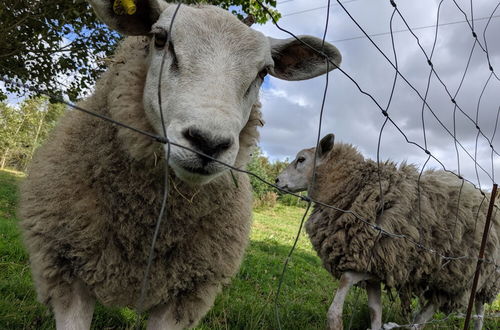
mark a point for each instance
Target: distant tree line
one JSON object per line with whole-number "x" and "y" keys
{"x": 23, "y": 128}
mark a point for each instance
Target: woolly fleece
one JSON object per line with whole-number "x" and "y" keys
{"x": 349, "y": 182}
{"x": 92, "y": 196}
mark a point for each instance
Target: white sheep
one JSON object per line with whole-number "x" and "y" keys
{"x": 92, "y": 196}
{"x": 354, "y": 251}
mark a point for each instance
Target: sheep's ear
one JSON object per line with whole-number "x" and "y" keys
{"x": 295, "y": 61}
{"x": 137, "y": 21}
{"x": 326, "y": 144}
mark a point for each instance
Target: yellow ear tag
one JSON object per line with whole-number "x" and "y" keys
{"x": 121, "y": 7}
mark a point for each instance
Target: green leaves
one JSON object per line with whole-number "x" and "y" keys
{"x": 60, "y": 45}
{"x": 44, "y": 42}
{"x": 261, "y": 166}
{"x": 242, "y": 8}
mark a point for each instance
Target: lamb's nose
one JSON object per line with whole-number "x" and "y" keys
{"x": 207, "y": 143}
{"x": 277, "y": 180}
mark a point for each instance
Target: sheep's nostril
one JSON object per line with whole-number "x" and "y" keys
{"x": 226, "y": 144}
{"x": 206, "y": 142}
{"x": 277, "y": 180}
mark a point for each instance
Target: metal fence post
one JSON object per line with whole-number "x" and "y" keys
{"x": 480, "y": 258}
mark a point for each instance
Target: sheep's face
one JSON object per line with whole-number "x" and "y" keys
{"x": 204, "y": 75}
{"x": 298, "y": 175}
{"x": 213, "y": 69}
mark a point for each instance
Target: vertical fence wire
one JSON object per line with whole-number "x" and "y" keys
{"x": 325, "y": 91}
{"x": 163, "y": 214}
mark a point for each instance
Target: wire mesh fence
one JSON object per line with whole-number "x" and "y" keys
{"x": 461, "y": 113}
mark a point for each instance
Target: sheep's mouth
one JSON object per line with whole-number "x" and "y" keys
{"x": 193, "y": 169}
{"x": 195, "y": 175}
{"x": 198, "y": 170}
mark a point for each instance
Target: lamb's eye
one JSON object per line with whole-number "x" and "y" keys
{"x": 161, "y": 39}
{"x": 300, "y": 160}
{"x": 263, "y": 73}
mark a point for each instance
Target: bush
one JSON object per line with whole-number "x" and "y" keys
{"x": 291, "y": 200}
{"x": 261, "y": 166}
{"x": 267, "y": 200}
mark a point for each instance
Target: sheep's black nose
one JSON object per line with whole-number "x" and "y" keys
{"x": 277, "y": 180}
{"x": 206, "y": 142}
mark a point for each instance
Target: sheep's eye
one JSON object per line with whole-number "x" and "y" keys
{"x": 300, "y": 159}
{"x": 161, "y": 39}
{"x": 263, "y": 73}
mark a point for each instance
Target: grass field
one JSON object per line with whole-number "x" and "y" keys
{"x": 248, "y": 303}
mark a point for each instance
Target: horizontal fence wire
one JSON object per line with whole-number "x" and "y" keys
{"x": 306, "y": 199}
{"x": 385, "y": 111}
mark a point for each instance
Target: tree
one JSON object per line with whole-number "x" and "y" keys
{"x": 23, "y": 129}
{"x": 260, "y": 165}
{"x": 60, "y": 45}
{"x": 10, "y": 125}
{"x": 243, "y": 8}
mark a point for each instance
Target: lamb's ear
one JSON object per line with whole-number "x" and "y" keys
{"x": 295, "y": 61}
{"x": 136, "y": 22}
{"x": 326, "y": 144}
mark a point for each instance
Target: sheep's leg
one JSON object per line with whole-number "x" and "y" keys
{"x": 478, "y": 322}
{"x": 74, "y": 311}
{"x": 347, "y": 280}
{"x": 424, "y": 316}
{"x": 375, "y": 304}
{"x": 185, "y": 312}
{"x": 161, "y": 318}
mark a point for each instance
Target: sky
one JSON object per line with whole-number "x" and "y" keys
{"x": 291, "y": 109}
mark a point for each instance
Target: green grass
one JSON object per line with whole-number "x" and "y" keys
{"x": 248, "y": 303}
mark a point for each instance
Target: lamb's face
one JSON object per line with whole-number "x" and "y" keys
{"x": 213, "y": 69}
{"x": 297, "y": 176}
{"x": 204, "y": 77}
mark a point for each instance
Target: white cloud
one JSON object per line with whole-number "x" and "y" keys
{"x": 300, "y": 100}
